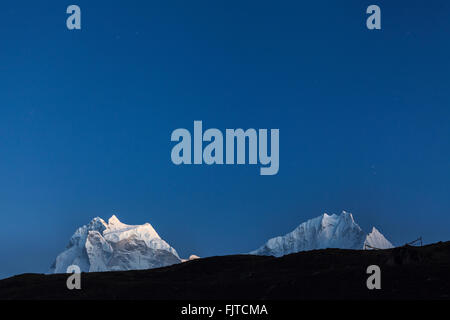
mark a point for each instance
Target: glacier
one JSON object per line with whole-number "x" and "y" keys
{"x": 115, "y": 246}
{"x": 325, "y": 231}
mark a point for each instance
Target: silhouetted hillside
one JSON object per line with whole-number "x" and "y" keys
{"x": 407, "y": 273}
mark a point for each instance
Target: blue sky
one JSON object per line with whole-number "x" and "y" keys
{"x": 86, "y": 118}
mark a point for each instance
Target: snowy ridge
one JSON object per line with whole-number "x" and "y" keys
{"x": 377, "y": 240}
{"x": 100, "y": 246}
{"x": 325, "y": 231}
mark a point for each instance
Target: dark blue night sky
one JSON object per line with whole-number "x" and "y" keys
{"x": 86, "y": 118}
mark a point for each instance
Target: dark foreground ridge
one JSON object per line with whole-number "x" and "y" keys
{"x": 406, "y": 273}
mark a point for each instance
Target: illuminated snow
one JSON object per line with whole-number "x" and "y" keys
{"x": 101, "y": 246}
{"x": 325, "y": 231}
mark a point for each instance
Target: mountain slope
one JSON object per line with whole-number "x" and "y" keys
{"x": 114, "y": 246}
{"x": 376, "y": 240}
{"x": 325, "y": 231}
{"x": 337, "y": 274}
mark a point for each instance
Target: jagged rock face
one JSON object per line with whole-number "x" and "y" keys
{"x": 114, "y": 246}
{"x": 325, "y": 231}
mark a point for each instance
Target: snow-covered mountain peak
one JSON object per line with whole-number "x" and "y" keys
{"x": 114, "y": 221}
{"x": 326, "y": 218}
{"x": 97, "y": 224}
{"x": 347, "y": 215}
{"x": 325, "y": 231}
{"x": 101, "y": 246}
{"x": 116, "y": 231}
{"x": 335, "y": 219}
{"x": 376, "y": 240}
